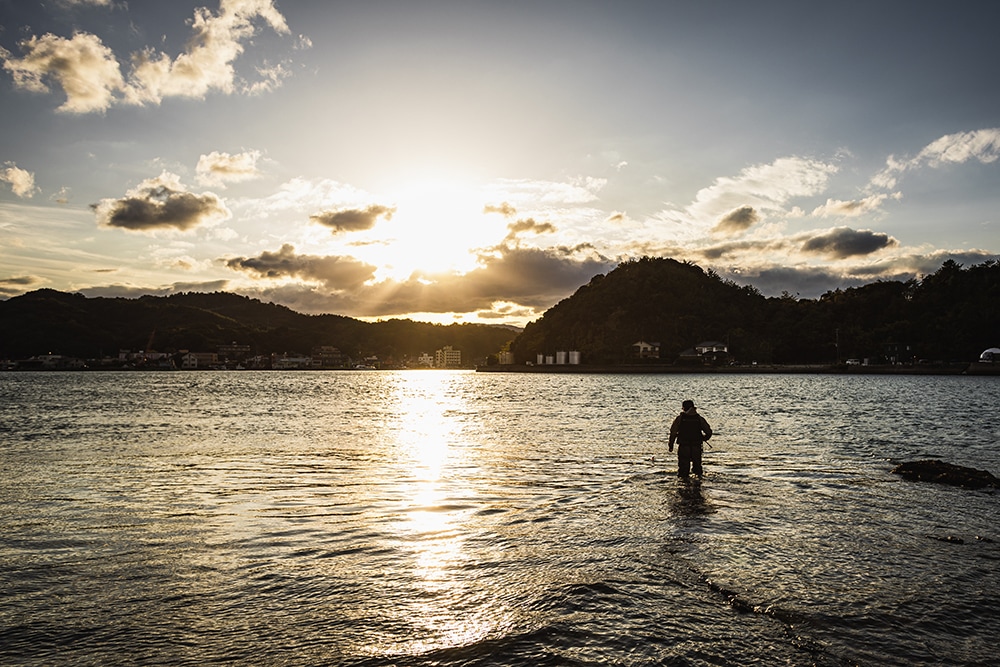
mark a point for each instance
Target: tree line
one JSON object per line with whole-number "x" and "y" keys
{"x": 52, "y": 322}
{"x": 950, "y": 315}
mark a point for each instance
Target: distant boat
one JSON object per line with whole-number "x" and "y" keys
{"x": 364, "y": 367}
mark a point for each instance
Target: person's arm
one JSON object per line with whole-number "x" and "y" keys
{"x": 706, "y": 429}
{"x": 674, "y": 430}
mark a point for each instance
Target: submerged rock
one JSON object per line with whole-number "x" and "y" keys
{"x": 946, "y": 473}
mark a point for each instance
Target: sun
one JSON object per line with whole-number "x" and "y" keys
{"x": 436, "y": 226}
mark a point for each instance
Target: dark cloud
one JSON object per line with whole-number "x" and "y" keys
{"x": 519, "y": 227}
{"x": 503, "y": 209}
{"x": 737, "y": 220}
{"x": 353, "y": 219}
{"x": 529, "y": 278}
{"x": 810, "y": 282}
{"x": 846, "y": 242}
{"x": 333, "y": 271}
{"x": 160, "y": 204}
{"x": 907, "y": 267}
{"x": 132, "y": 292}
{"x": 18, "y": 285}
{"x": 807, "y": 282}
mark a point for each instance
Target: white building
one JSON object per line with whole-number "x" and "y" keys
{"x": 195, "y": 360}
{"x": 447, "y": 357}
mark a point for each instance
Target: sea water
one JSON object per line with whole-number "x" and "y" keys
{"x": 462, "y": 518}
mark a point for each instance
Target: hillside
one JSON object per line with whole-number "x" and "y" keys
{"x": 46, "y": 321}
{"x": 953, "y": 314}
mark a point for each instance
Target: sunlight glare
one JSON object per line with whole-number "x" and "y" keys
{"x": 437, "y": 225}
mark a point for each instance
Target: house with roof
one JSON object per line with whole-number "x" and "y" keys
{"x": 707, "y": 352}
{"x": 644, "y": 350}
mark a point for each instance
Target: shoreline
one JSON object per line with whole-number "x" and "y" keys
{"x": 973, "y": 368}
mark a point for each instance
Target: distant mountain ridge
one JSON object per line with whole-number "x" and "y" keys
{"x": 952, "y": 314}
{"x": 48, "y": 321}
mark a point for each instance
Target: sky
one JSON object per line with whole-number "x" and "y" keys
{"x": 479, "y": 161}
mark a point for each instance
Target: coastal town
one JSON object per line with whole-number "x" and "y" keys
{"x": 236, "y": 356}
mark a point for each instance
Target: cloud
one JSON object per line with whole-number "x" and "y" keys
{"x": 161, "y": 203}
{"x": 19, "y": 285}
{"x": 724, "y": 206}
{"x": 525, "y": 278}
{"x": 846, "y": 242}
{"x": 74, "y": 3}
{"x": 270, "y": 79}
{"x": 580, "y": 190}
{"x": 982, "y": 145}
{"x": 353, "y": 219}
{"x": 91, "y": 77}
{"x": 503, "y": 209}
{"x": 334, "y": 272}
{"x": 207, "y": 64}
{"x": 22, "y": 182}
{"x": 131, "y": 291}
{"x": 851, "y": 209}
{"x": 61, "y": 197}
{"x": 805, "y": 281}
{"x": 736, "y": 221}
{"x": 82, "y": 66}
{"x": 515, "y": 229}
{"x": 303, "y": 195}
{"x": 838, "y": 243}
{"x": 220, "y": 168}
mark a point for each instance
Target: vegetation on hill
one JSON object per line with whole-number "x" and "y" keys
{"x": 51, "y": 322}
{"x": 953, "y": 314}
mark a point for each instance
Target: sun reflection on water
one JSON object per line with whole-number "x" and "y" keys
{"x": 436, "y": 501}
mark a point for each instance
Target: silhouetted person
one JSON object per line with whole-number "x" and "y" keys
{"x": 689, "y": 430}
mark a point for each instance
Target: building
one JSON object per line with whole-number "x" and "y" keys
{"x": 712, "y": 351}
{"x": 196, "y": 360}
{"x": 447, "y": 357}
{"x": 234, "y": 351}
{"x": 644, "y": 350}
{"x": 291, "y": 362}
{"x": 328, "y": 356}
{"x": 505, "y": 358}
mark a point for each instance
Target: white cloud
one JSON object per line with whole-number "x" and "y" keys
{"x": 852, "y": 209}
{"x": 87, "y": 71}
{"x": 982, "y": 145}
{"x": 270, "y": 79}
{"x": 220, "y": 168}
{"x": 91, "y": 76}
{"x": 22, "y": 182}
{"x": 758, "y": 189}
{"x": 580, "y": 190}
{"x": 207, "y": 64}
{"x": 762, "y": 187}
{"x": 307, "y": 196}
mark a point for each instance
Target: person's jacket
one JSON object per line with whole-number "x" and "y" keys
{"x": 689, "y": 428}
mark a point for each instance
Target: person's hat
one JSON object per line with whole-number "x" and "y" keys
{"x": 687, "y": 405}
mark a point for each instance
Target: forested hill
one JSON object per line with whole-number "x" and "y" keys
{"x": 47, "y": 321}
{"x": 953, "y": 314}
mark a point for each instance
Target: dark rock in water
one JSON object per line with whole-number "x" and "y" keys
{"x": 946, "y": 473}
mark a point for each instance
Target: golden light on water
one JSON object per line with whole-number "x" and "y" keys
{"x": 435, "y": 506}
